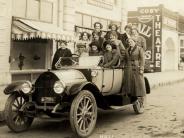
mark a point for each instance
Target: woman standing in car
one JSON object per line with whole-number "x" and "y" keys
{"x": 133, "y": 83}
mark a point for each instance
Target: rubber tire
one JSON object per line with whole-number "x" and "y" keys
{"x": 74, "y": 107}
{"x": 137, "y": 108}
{"x": 8, "y": 116}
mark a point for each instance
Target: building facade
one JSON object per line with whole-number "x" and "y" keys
{"x": 160, "y": 28}
{"x": 5, "y": 40}
{"x": 32, "y": 28}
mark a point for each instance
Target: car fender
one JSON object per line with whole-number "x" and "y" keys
{"x": 13, "y": 87}
{"x": 76, "y": 88}
{"x": 147, "y": 85}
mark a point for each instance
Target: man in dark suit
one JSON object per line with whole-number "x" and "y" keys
{"x": 126, "y": 35}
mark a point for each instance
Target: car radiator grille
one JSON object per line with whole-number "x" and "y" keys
{"x": 44, "y": 92}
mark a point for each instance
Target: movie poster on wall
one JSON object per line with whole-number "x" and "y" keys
{"x": 148, "y": 22}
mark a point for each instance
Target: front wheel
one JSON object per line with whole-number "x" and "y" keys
{"x": 139, "y": 105}
{"x": 83, "y": 113}
{"x": 14, "y": 113}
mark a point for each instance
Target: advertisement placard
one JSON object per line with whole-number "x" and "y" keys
{"x": 148, "y": 20}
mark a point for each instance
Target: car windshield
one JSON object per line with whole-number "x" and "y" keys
{"x": 83, "y": 61}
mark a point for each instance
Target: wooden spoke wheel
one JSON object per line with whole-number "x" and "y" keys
{"x": 83, "y": 113}
{"x": 14, "y": 113}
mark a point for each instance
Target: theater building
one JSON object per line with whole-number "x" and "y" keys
{"x": 30, "y": 30}
{"x": 181, "y": 38}
{"x": 160, "y": 28}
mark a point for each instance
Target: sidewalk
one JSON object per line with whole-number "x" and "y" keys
{"x": 164, "y": 78}
{"x": 155, "y": 79}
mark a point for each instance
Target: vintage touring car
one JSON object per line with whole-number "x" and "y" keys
{"x": 74, "y": 91}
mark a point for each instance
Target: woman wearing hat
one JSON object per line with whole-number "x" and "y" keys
{"x": 94, "y": 49}
{"x": 81, "y": 50}
{"x": 133, "y": 83}
{"x": 119, "y": 46}
{"x": 140, "y": 40}
{"x": 126, "y": 35}
{"x": 111, "y": 56}
{"x": 64, "y": 52}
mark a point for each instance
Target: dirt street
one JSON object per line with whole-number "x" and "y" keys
{"x": 163, "y": 117}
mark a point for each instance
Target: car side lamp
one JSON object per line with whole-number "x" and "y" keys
{"x": 94, "y": 73}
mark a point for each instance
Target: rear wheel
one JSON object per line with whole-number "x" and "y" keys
{"x": 14, "y": 113}
{"x": 83, "y": 113}
{"x": 139, "y": 105}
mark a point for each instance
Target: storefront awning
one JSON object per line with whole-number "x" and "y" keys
{"x": 27, "y": 29}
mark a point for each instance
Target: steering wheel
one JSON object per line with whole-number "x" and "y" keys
{"x": 75, "y": 56}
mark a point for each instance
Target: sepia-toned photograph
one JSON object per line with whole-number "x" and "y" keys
{"x": 91, "y": 68}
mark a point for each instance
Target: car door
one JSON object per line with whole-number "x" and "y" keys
{"x": 107, "y": 82}
{"x": 117, "y": 81}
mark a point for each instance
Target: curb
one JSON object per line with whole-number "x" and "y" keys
{"x": 166, "y": 83}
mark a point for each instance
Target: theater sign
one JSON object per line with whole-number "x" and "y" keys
{"x": 149, "y": 23}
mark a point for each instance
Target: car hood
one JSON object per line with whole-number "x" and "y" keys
{"x": 70, "y": 76}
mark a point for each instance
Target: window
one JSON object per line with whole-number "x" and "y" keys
{"x": 95, "y": 19}
{"x": 78, "y": 19}
{"x": 87, "y": 21}
{"x": 104, "y": 23}
{"x": 17, "y": 11}
{"x": 33, "y": 9}
{"x": 46, "y": 11}
{"x": 182, "y": 49}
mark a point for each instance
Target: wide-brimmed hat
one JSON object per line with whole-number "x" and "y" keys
{"x": 60, "y": 42}
{"x": 81, "y": 45}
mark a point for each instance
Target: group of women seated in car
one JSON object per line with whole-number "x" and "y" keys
{"x": 127, "y": 49}
{"x": 109, "y": 45}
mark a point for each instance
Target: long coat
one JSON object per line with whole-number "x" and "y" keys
{"x": 133, "y": 82}
{"x": 124, "y": 38}
{"x": 62, "y": 53}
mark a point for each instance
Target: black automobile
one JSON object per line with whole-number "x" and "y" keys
{"x": 74, "y": 91}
